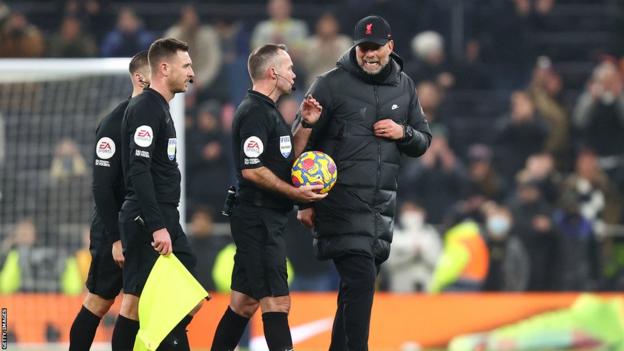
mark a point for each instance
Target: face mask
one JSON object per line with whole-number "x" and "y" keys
{"x": 498, "y": 226}
{"x": 411, "y": 219}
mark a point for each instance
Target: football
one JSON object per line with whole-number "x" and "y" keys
{"x": 312, "y": 168}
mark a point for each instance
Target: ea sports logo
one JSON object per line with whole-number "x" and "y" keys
{"x": 253, "y": 147}
{"x": 105, "y": 148}
{"x": 143, "y": 136}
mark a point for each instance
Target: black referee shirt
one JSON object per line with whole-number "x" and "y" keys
{"x": 261, "y": 137}
{"x": 108, "y": 184}
{"x": 149, "y": 144}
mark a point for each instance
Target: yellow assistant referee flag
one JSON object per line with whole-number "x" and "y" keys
{"x": 170, "y": 293}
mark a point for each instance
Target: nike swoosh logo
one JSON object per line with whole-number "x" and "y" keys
{"x": 299, "y": 333}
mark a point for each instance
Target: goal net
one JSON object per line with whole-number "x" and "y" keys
{"x": 49, "y": 110}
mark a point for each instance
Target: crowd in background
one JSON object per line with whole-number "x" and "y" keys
{"x": 526, "y": 107}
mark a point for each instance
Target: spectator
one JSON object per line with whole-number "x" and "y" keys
{"x": 416, "y": 249}
{"x": 599, "y": 112}
{"x": 93, "y": 14}
{"x": 429, "y": 60}
{"x": 288, "y": 107}
{"x": 509, "y": 265}
{"x": 471, "y": 73}
{"x": 437, "y": 180}
{"x": 207, "y": 165}
{"x": 128, "y": 37}
{"x": 534, "y": 226}
{"x": 280, "y": 28}
{"x": 206, "y": 245}
{"x": 67, "y": 162}
{"x": 545, "y": 90}
{"x": 234, "y": 42}
{"x": 519, "y": 135}
{"x": 70, "y": 41}
{"x": 483, "y": 180}
{"x": 540, "y": 170}
{"x": 19, "y": 38}
{"x": 204, "y": 46}
{"x": 324, "y": 48}
{"x": 431, "y": 98}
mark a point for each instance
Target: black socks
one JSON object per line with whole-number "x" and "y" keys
{"x": 124, "y": 334}
{"x": 229, "y": 331}
{"x": 83, "y": 330}
{"x": 277, "y": 331}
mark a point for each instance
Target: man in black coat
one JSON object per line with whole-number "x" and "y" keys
{"x": 370, "y": 116}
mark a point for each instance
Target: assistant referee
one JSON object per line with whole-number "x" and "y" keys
{"x": 263, "y": 154}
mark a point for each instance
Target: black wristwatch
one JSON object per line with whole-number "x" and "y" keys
{"x": 305, "y": 124}
{"x": 408, "y": 132}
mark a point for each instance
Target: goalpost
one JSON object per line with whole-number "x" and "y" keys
{"x": 49, "y": 109}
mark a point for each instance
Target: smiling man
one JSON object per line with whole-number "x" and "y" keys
{"x": 369, "y": 117}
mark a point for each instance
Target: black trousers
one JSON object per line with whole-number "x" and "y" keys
{"x": 355, "y": 301}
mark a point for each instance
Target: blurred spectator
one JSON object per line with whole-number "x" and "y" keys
{"x": 28, "y": 267}
{"x": 324, "y": 48}
{"x": 128, "y": 37}
{"x": 599, "y": 112}
{"x": 471, "y": 73}
{"x": 429, "y": 61}
{"x": 70, "y": 41}
{"x": 464, "y": 263}
{"x": 540, "y": 170}
{"x": 509, "y": 265}
{"x": 533, "y": 225}
{"x": 234, "y": 42}
{"x": 483, "y": 180}
{"x": 19, "y": 38}
{"x": 280, "y": 28}
{"x": 545, "y": 90}
{"x": 204, "y": 46}
{"x": 67, "y": 162}
{"x": 596, "y": 198}
{"x": 574, "y": 254}
{"x": 288, "y": 107}
{"x": 416, "y": 248}
{"x": 436, "y": 180}
{"x": 206, "y": 245}
{"x": 519, "y": 135}
{"x": 76, "y": 268}
{"x": 92, "y": 13}
{"x": 207, "y": 166}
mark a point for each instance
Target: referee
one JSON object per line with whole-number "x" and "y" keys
{"x": 264, "y": 154}
{"x": 149, "y": 218}
{"x": 104, "y": 279}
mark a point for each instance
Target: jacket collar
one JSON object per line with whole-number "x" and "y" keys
{"x": 348, "y": 62}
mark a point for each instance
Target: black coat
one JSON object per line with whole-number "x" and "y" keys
{"x": 358, "y": 214}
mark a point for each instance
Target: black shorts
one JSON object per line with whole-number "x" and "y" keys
{"x": 104, "y": 279}
{"x": 260, "y": 260}
{"x": 139, "y": 254}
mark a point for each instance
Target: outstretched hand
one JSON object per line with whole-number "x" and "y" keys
{"x": 310, "y": 110}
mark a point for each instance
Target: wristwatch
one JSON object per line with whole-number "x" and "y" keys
{"x": 408, "y": 132}
{"x": 305, "y": 124}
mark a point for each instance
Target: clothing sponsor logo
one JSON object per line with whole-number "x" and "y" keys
{"x": 394, "y": 106}
{"x": 253, "y": 147}
{"x": 102, "y": 163}
{"x": 105, "y": 148}
{"x": 143, "y": 136}
{"x": 142, "y": 153}
{"x": 285, "y": 145}
{"x": 171, "y": 148}
{"x": 252, "y": 161}
{"x": 369, "y": 29}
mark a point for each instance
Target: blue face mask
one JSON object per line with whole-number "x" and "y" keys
{"x": 498, "y": 226}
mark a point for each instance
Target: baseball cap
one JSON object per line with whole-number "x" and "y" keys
{"x": 372, "y": 29}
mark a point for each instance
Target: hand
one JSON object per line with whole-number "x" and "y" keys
{"x": 389, "y": 129}
{"x": 310, "y": 110}
{"x": 118, "y": 256}
{"x": 162, "y": 242}
{"x": 306, "y": 217}
{"x": 308, "y": 193}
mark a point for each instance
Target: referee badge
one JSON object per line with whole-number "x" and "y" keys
{"x": 285, "y": 146}
{"x": 171, "y": 148}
